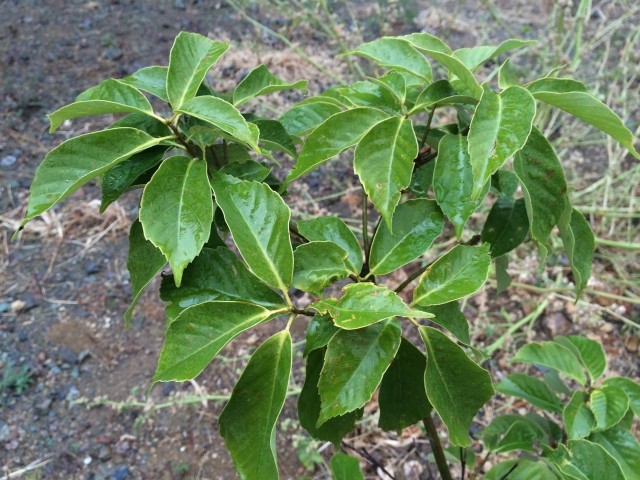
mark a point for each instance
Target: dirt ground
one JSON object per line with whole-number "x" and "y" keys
{"x": 76, "y": 407}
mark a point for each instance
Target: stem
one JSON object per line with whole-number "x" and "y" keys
{"x": 463, "y": 462}
{"x": 411, "y": 278}
{"x": 180, "y": 138}
{"x": 436, "y": 447}
{"x": 427, "y": 128}
{"x": 225, "y": 153}
{"x": 365, "y": 235}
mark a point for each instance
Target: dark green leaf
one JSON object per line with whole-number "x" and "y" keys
{"x": 274, "y": 137}
{"x": 147, "y": 124}
{"x": 506, "y": 226}
{"x": 505, "y": 182}
{"x": 521, "y": 469}
{"x": 249, "y": 170}
{"x": 260, "y": 81}
{"x": 396, "y": 53}
{"x": 631, "y": 388}
{"x": 624, "y": 447}
{"x": 150, "y": 79}
{"x": 477, "y": 56}
{"x": 503, "y": 279}
{"x": 589, "y": 352}
{"x": 371, "y": 94}
{"x": 552, "y": 355}
{"x": 594, "y": 461}
{"x": 578, "y": 419}
{"x": 320, "y": 330}
{"x": 438, "y": 94}
{"x": 449, "y": 316}
{"x": 422, "y": 179}
{"x": 344, "y": 467}
{"x": 534, "y": 391}
{"x": 580, "y": 244}
{"x": 609, "y": 404}
{"x": 306, "y": 116}
{"x": 317, "y": 265}
{"x": 512, "y": 432}
{"x": 395, "y": 84}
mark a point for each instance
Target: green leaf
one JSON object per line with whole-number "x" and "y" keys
{"x": 534, "y": 391}
{"x": 422, "y": 179}
{"x": 449, "y": 316}
{"x": 609, "y": 405}
{"x": 552, "y": 355}
{"x": 259, "y": 222}
{"x": 402, "y": 398}
{"x": 363, "y": 304}
{"x": 503, "y": 279}
{"x": 334, "y": 135}
{"x": 126, "y": 174}
{"x": 345, "y": 467}
{"x": 306, "y": 116}
{"x": 150, "y": 79}
{"x": 191, "y": 57}
{"x": 589, "y": 352}
{"x": 624, "y": 447}
{"x": 477, "y": 56}
{"x": 578, "y": 419}
{"x": 453, "y": 181}
{"x": 383, "y": 160}
{"x": 317, "y": 265}
{"x": 438, "y": 94}
{"x": 508, "y": 75}
{"x": 520, "y": 469}
{"x": 144, "y": 263}
{"x": 507, "y": 225}
{"x": 395, "y": 84}
{"x": 500, "y": 127}
{"x": 354, "y": 365}
{"x": 65, "y": 168}
{"x": 248, "y": 170}
{"x": 176, "y": 211}
{"x": 425, "y": 41}
{"x": 223, "y": 115}
{"x": 396, "y": 53}
{"x": 248, "y": 421}
{"x": 371, "y": 94}
{"x": 505, "y": 182}
{"x": 216, "y": 274}
{"x": 580, "y": 245}
{"x": 556, "y": 85}
{"x": 456, "y": 386}
{"x": 512, "y": 432}
{"x": 260, "y": 81}
{"x": 200, "y": 332}
{"x": 274, "y": 137}
{"x": 333, "y": 229}
{"x": 416, "y": 224}
{"x": 110, "y": 96}
{"x": 543, "y": 185}
{"x": 630, "y": 387}
{"x": 465, "y": 82}
{"x": 594, "y": 461}
{"x": 320, "y": 330}
{"x": 461, "y": 271}
{"x": 334, "y": 429}
{"x": 141, "y": 121}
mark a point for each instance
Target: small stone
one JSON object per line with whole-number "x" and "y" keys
{"x": 91, "y": 268}
{"x": 112, "y": 53}
{"x": 18, "y": 306}
{"x": 87, "y": 460}
{"x": 179, "y": 5}
{"x": 43, "y": 407}
{"x": 104, "y": 453}
{"x": 5, "y": 432}
{"x": 23, "y": 336}
{"x": 67, "y": 355}
{"x": 556, "y": 324}
{"x": 83, "y": 355}
{"x": 72, "y": 394}
{"x": 8, "y": 160}
{"x": 5, "y": 307}
{"x": 120, "y": 473}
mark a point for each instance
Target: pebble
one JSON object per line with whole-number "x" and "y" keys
{"x": 87, "y": 460}
{"x": 67, "y": 355}
{"x": 112, "y": 53}
{"x": 120, "y": 473}
{"x": 83, "y": 355}
{"x": 5, "y": 432}
{"x": 179, "y": 5}
{"x": 5, "y": 307}
{"x": 43, "y": 407}
{"x": 18, "y": 306}
{"x": 8, "y": 160}
{"x": 72, "y": 394}
{"x": 104, "y": 453}
{"x": 91, "y": 268}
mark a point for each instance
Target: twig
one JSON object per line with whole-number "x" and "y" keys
{"x": 436, "y": 447}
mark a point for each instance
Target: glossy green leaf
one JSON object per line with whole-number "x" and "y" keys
{"x": 462, "y": 78}
{"x": 354, "y": 365}
{"x": 223, "y": 115}
{"x": 200, "y": 332}
{"x": 507, "y": 433}
{"x": 66, "y": 168}
{"x": 624, "y": 447}
{"x": 248, "y": 421}
{"x": 507, "y": 75}
{"x": 141, "y": 121}
{"x": 403, "y": 398}
{"x": 552, "y": 355}
{"x": 500, "y": 127}
{"x": 503, "y": 278}
{"x": 556, "y": 85}
{"x": 383, "y": 160}
{"x": 449, "y": 316}
{"x": 334, "y": 429}
{"x": 320, "y": 330}
{"x": 520, "y": 469}
{"x": 395, "y": 83}
{"x": 630, "y": 387}
{"x": 333, "y": 229}
{"x": 345, "y": 467}
{"x": 416, "y": 224}
{"x": 453, "y": 181}
{"x": 274, "y": 137}
{"x": 317, "y": 265}
{"x": 422, "y": 179}
{"x": 110, "y": 96}
{"x": 589, "y": 352}
{"x": 578, "y": 419}
{"x": 176, "y": 211}
{"x": 534, "y": 391}
{"x": 476, "y": 56}
{"x": 396, "y": 53}
{"x": 594, "y": 461}
{"x": 235, "y": 152}
{"x": 249, "y": 170}
{"x": 216, "y": 274}
{"x": 260, "y": 81}
{"x": 150, "y": 79}
{"x": 363, "y": 304}
{"x": 507, "y": 225}
{"x": 580, "y": 244}
{"x": 367, "y": 93}
{"x": 191, "y": 57}
{"x": 144, "y": 263}
{"x": 334, "y": 135}
{"x": 609, "y": 404}
{"x": 505, "y": 182}
{"x": 456, "y": 386}
{"x": 438, "y": 94}
{"x": 425, "y": 41}
{"x": 303, "y": 117}
{"x": 461, "y": 271}
{"x": 259, "y": 222}
{"x": 126, "y": 174}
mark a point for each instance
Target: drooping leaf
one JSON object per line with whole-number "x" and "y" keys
{"x": 216, "y": 274}
{"x": 345, "y": 467}
{"x": 334, "y": 135}
{"x": 461, "y": 77}
{"x": 363, "y": 304}
{"x": 333, "y": 229}
{"x": 552, "y": 355}
{"x": 317, "y": 265}
{"x": 396, "y": 53}
{"x": 334, "y": 429}
{"x": 144, "y": 263}
{"x": 609, "y": 404}
{"x": 191, "y": 57}
{"x": 176, "y": 211}
{"x": 530, "y": 389}
{"x": 579, "y": 244}
{"x": 624, "y": 447}
{"x": 453, "y": 181}
{"x": 449, "y": 316}
{"x": 630, "y": 387}
{"x": 274, "y": 137}
{"x": 196, "y": 336}
{"x": 110, "y": 96}
{"x": 65, "y": 168}
{"x": 260, "y": 81}
{"x": 383, "y": 160}
{"x": 594, "y": 461}
{"x": 507, "y": 225}
{"x": 578, "y": 419}
{"x": 456, "y": 386}
{"x": 222, "y": 115}
{"x": 354, "y": 365}
{"x": 320, "y": 330}
{"x": 476, "y": 56}
{"x": 500, "y": 127}
{"x": 458, "y": 273}
{"x": 303, "y": 117}
{"x": 438, "y": 94}
{"x": 416, "y": 224}
{"x": 403, "y": 398}
{"x": 512, "y": 432}
{"x": 589, "y": 352}
{"x": 150, "y": 79}
{"x": 248, "y": 421}
{"x": 259, "y": 222}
